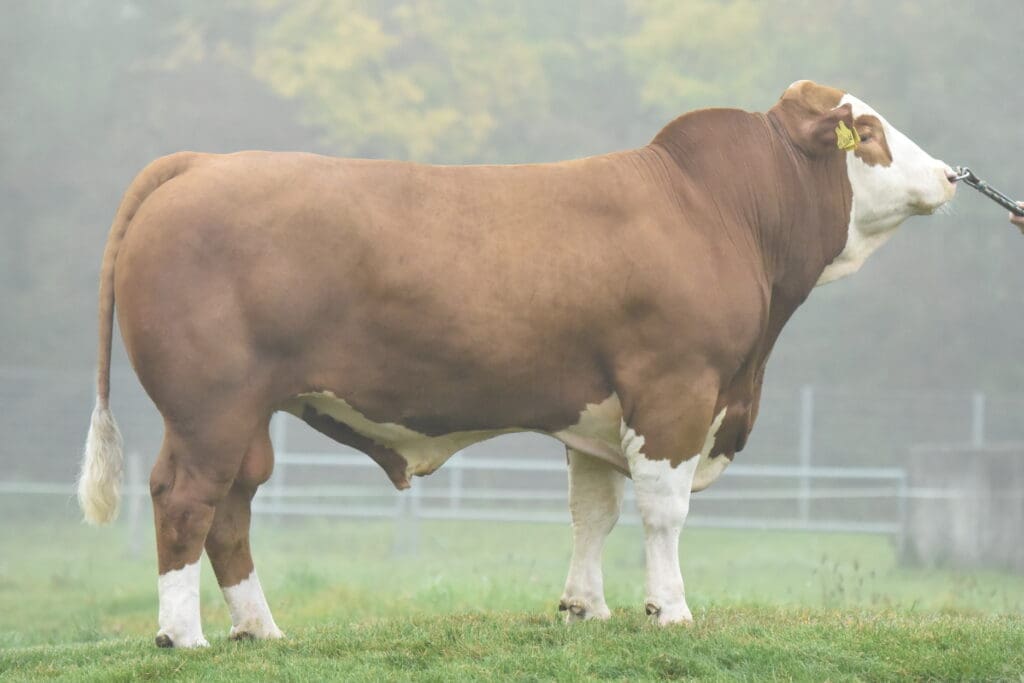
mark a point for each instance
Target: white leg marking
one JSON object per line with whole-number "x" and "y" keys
{"x": 595, "y": 499}
{"x": 179, "y": 607}
{"x": 250, "y": 613}
{"x": 663, "y": 498}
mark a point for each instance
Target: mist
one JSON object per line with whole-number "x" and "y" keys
{"x": 906, "y": 377}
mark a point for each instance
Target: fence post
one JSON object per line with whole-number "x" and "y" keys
{"x": 407, "y": 514}
{"x": 806, "y": 447}
{"x": 136, "y": 487}
{"x": 398, "y": 535}
{"x": 978, "y": 420}
{"x": 903, "y": 510}
{"x": 279, "y": 438}
{"x": 414, "y": 521}
{"x": 455, "y": 483}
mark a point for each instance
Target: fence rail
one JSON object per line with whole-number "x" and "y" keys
{"x": 458, "y": 502}
{"x": 798, "y": 481}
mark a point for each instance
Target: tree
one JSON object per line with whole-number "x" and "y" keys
{"x": 403, "y": 79}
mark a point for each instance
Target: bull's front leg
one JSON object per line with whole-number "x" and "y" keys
{"x": 663, "y": 500}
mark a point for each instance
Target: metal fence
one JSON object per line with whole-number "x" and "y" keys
{"x": 531, "y": 489}
{"x": 820, "y": 459}
{"x": 543, "y": 500}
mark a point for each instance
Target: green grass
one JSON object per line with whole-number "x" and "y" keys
{"x": 728, "y": 642}
{"x": 478, "y": 601}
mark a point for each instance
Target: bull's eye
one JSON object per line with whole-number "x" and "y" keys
{"x": 865, "y": 136}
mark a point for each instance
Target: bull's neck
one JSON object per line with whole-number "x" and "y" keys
{"x": 740, "y": 171}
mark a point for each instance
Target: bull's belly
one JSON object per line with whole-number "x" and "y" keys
{"x": 423, "y": 453}
{"x": 598, "y": 433}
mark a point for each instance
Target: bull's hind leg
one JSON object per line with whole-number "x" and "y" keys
{"x": 595, "y": 499}
{"x": 190, "y": 479}
{"x": 227, "y": 545}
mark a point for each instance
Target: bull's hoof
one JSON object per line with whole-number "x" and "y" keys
{"x": 577, "y": 611}
{"x": 255, "y": 632}
{"x": 184, "y": 642}
{"x": 671, "y": 614}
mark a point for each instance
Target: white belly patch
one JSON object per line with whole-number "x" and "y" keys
{"x": 709, "y": 469}
{"x": 597, "y": 434}
{"x": 422, "y": 452}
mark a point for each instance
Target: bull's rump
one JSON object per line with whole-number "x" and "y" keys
{"x": 443, "y": 298}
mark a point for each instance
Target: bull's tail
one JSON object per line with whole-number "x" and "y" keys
{"x": 99, "y": 483}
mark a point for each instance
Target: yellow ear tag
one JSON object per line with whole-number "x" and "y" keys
{"x": 846, "y": 139}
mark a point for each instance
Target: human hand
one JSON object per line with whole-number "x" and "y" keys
{"x": 1018, "y": 220}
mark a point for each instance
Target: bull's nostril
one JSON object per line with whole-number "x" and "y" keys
{"x": 951, "y": 175}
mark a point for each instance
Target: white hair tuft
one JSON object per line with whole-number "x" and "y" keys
{"x": 99, "y": 484}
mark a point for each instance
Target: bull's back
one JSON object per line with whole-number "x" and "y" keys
{"x": 492, "y": 227}
{"x": 380, "y": 280}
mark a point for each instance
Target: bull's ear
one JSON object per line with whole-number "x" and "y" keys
{"x": 814, "y": 118}
{"x": 829, "y": 132}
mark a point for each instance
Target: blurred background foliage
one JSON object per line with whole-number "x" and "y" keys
{"x": 93, "y": 90}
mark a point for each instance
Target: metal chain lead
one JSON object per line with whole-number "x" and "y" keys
{"x": 967, "y": 176}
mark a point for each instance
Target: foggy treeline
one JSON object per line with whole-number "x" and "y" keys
{"x": 93, "y": 90}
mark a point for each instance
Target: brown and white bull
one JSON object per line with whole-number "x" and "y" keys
{"x": 624, "y": 304}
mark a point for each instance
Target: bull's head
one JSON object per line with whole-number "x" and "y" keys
{"x": 890, "y": 176}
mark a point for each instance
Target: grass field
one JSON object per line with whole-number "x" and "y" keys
{"x": 478, "y": 601}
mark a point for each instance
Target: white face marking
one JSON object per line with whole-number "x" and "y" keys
{"x": 423, "y": 453}
{"x": 249, "y": 610}
{"x": 595, "y": 499}
{"x": 663, "y": 498}
{"x": 179, "y": 607}
{"x": 885, "y": 196}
